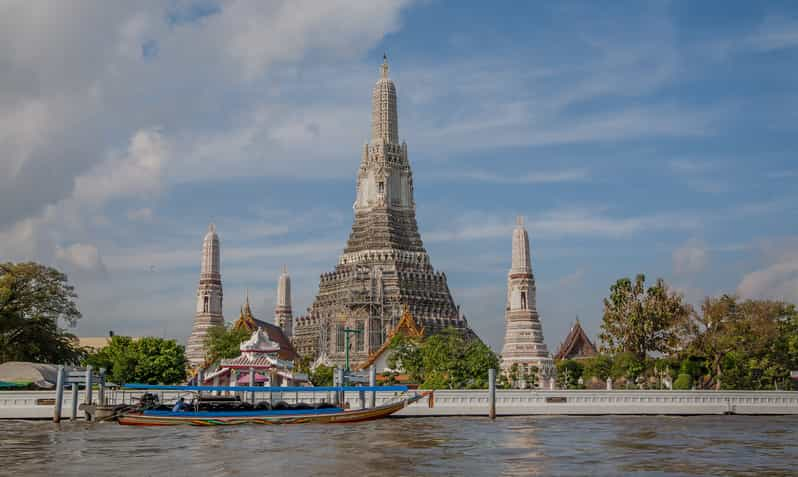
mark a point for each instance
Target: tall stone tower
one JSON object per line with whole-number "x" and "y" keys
{"x": 523, "y": 338}
{"x": 209, "y": 298}
{"x": 283, "y": 315}
{"x": 384, "y": 266}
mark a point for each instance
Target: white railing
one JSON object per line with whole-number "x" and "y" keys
{"x": 39, "y": 404}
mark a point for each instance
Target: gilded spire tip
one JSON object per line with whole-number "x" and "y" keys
{"x": 384, "y": 66}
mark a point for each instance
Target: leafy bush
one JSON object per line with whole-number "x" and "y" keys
{"x": 684, "y": 381}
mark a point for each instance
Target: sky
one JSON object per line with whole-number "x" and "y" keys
{"x": 634, "y": 137}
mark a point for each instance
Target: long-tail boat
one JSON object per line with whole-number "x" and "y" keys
{"x": 230, "y": 411}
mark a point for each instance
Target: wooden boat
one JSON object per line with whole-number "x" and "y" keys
{"x": 329, "y": 415}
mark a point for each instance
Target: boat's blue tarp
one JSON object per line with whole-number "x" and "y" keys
{"x": 246, "y": 413}
{"x": 265, "y": 389}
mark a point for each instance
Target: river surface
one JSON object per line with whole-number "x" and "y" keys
{"x": 611, "y": 445}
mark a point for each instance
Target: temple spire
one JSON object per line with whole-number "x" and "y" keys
{"x": 384, "y": 66}
{"x": 520, "y": 262}
{"x": 384, "y": 117}
{"x": 208, "y": 312}
{"x": 283, "y": 314}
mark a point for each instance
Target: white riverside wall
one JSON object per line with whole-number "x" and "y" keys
{"x": 37, "y": 404}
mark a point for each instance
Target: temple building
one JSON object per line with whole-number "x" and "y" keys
{"x": 523, "y": 338}
{"x": 260, "y": 357}
{"x": 379, "y": 359}
{"x": 384, "y": 266}
{"x": 209, "y": 298}
{"x": 576, "y": 345}
{"x": 283, "y": 315}
{"x": 247, "y": 320}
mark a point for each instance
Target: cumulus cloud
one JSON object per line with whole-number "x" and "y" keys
{"x": 136, "y": 173}
{"x": 778, "y": 278}
{"x": 692, "y": 257}
{"x": 82, "y": 256}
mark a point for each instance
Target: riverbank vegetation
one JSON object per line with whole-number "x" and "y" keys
{"x": 445, "y": 360}
{"x": 145, "y": 360}
{"x": 34, "y": 300}
{"x": 650, "y": 337}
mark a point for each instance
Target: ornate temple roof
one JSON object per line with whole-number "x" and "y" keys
{"x": 576, "y": 345}
{"x": 406, "y": 326}
{"x": 259, "y": 343}
{"x": 248, "y": 321}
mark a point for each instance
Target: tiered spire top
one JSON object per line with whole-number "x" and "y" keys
{"x": 521, "y": 262}
{"x": 210, "y": 252}
{"x": 384, "y": 118}
{"x": 284, "y": 290}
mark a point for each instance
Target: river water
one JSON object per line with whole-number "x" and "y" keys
{"x": 611, "y": 445}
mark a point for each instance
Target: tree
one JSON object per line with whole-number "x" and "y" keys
{"x": 33, "y": 298}
{"x": 745, "y": 344}
{"x": 145, "y": 360}
{"x": 224, "y": 342}
{"x": 321, "y": 376}
{"x": 640, "y": 320}
{"x": 568, "y": 373}
{"x": 599, "y": 366}
{"x": 443, "y": 360}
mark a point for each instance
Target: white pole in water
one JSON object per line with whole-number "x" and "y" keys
{"x": 101, "y": 389}
{"x": 342, "y": 382}
{"x": 252, "y": 382}
{"x": 372, "y": 383}
{"x": 59, "y": 394}
{"x": 87, "y": 397}
{"x": 335, "y": 383}
{"x": 492, "y": 393}
{"x": 74, "y": 415}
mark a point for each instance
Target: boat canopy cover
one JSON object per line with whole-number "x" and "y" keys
{"x": 261, "y": 389}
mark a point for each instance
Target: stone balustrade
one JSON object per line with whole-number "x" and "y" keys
{"x": 39, "y": 404}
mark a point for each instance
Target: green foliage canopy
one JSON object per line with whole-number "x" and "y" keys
{"x": 445, "y": 360}
{"x": 224, "y": 342}
{"x": 145, "y": 360}
{"x": 33, "y": 298}
{"x": 642, "y": 320}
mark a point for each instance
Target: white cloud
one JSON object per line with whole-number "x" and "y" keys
{"x": 143, "y": 214}
{"x": 83, "y": 256}
{"x": 692, "y": 257}
{"x": 136, "y": 173}
{"x": 778, "y": 277}
{"x": 560, "y": 223}
{"x": 534, "y": 177}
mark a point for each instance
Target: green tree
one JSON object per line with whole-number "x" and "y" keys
{"x": 568, "y": 373}
{"x": 33, "y": 298}
{"x": 443, "y": 360}
{"x": 321, "y": 376}
{"x": 683, "y": 382}
{"x": 145, "y": 360}
{"x": 642, "y": 320}
{"x": 599, "y": 366}
{"x": 745, "y": 344}
{"x": 223, "y": 342}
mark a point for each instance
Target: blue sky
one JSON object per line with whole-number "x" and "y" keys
{"x": 653, "y": 137}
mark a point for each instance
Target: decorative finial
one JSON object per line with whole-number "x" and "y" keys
{"x": 285, "y": 268}
{"x": 519, "y": 220}
{"x": 246, "y": 298}
{"x": 212, "y": 228}
{"x": 384, "y": 66}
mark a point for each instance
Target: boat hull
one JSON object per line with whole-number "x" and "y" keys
{"x": 277, "y": 417}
